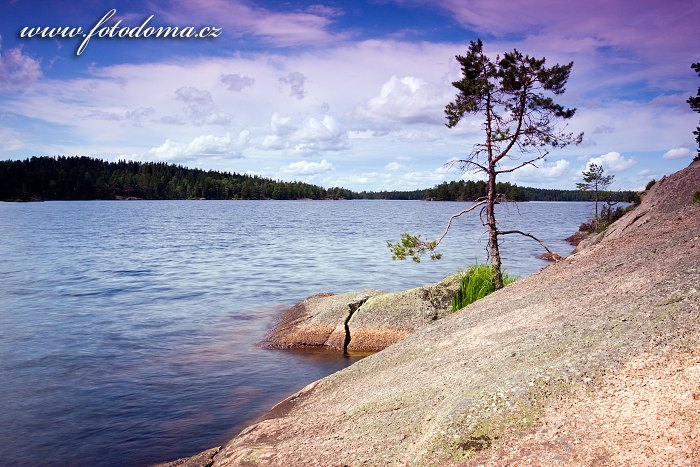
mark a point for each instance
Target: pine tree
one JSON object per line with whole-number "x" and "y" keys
{"x": 595, "y": 180}
{"x": 513, "y": 94}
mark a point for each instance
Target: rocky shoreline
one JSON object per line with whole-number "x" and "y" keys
{"x": 364, "y": 321}
{"x": 513, "y": 377}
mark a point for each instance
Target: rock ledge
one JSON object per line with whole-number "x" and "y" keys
{"x": 362, "y": 321}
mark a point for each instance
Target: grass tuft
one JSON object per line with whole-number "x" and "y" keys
{"x": 477, "y": 283}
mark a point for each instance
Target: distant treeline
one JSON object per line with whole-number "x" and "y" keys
{"x": 469, "y": 190}
{"x": 76, "y": 178}
{"x": 84, "y": 178}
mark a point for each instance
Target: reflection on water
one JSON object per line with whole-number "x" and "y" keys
{"x": 128, "y": 330}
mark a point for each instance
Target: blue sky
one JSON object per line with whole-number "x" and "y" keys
{"x": 343, "y": 93}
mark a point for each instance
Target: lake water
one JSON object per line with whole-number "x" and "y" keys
{"x": 128, "y": 329}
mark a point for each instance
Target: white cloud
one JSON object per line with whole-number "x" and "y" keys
{"x": 202, "y": 147}
{"x": 408, "y": 99}
{"x": 204, "y": 104}
{"x": 281, "y": 125}
{"x": 308, "y": 168}
{"x": 541, "y": 173}
{"x": 193, "y": 96}
{"x": 199, "y": 109}
{"x": 402, "y": 115}
{"x": 423, "y": 179}
{"x": 296, "y": 81}
{"x": 313, "y": 134}
{"x": 612, "y": 161}
{"x": 16, "y": 69}
{"x": 235, "y": 82}
{"x": 393, "y": 166}
{"x": 323, "y": 129}
{"x": 677, "y": 153}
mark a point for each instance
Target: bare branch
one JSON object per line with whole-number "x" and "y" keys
{"x": 481, "y": 216}
{"x": 454, "y": 216}
{"x": 555, "y": 256}
{"x": 465, "y": 162}
{"x": 449, "y": 164}
{"x": 530, "y": 162}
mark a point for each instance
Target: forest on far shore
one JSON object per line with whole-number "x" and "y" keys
{"x": 86, "y": 178}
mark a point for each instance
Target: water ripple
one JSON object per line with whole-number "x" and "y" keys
{"x": 128, "y": 329}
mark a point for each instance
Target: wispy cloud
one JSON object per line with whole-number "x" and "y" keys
{"x": 241, "y": 18}
{"x": 612, "y": 24}
{"x": 370, "y": 108}
{"x": 10, "y": 140}
{"x": 392, "y": 166}
{"x": 17, "y": 70}
{"x": 308, "y": 168}
{"x": 628, "y": 42}
{"x": 133, "y": 117}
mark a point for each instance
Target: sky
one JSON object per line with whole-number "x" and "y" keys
{"x": 338, "y": 93}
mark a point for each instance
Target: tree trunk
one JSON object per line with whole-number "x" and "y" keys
{"x": 493, "y": 235}
{"x": 596, "y": 208}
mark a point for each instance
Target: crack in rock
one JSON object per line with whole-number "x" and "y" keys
{"x": 353, "y": 308}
